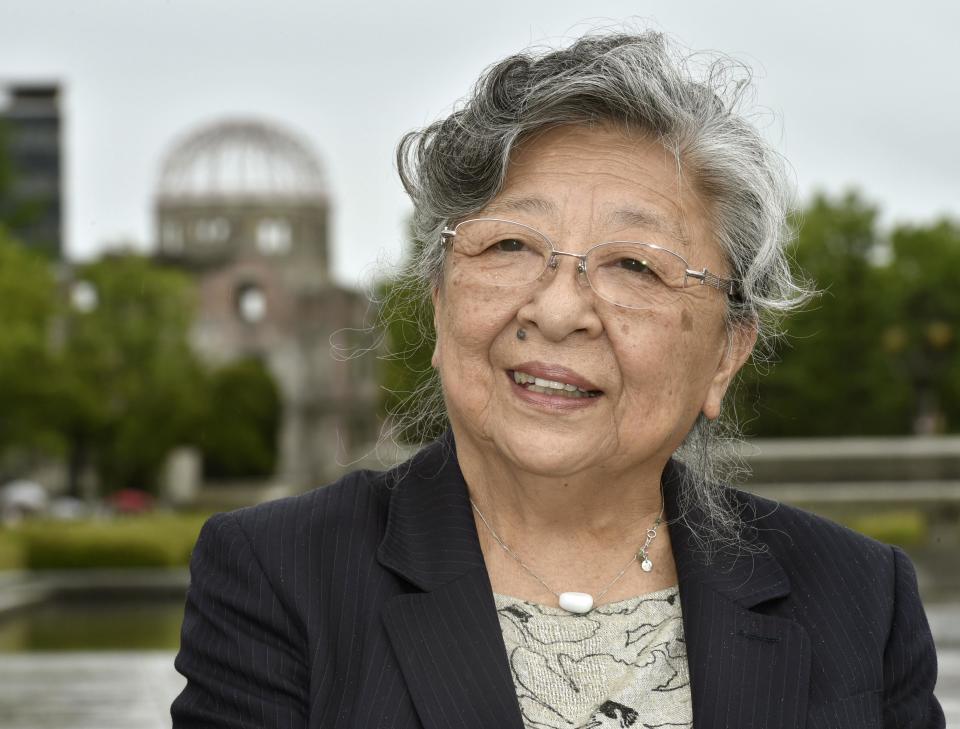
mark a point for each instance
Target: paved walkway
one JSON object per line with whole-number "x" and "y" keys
{"x": 87, "y": 690}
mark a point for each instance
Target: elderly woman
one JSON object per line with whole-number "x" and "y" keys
{"x": 603, "y": 244}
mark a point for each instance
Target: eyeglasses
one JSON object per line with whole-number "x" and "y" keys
{"x": 629, "y": 274}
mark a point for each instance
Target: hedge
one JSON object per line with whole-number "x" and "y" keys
{"x": 143, "y": 541}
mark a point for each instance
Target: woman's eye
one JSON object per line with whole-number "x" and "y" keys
{"x": 508, "y": 245}
{"x": 634, "y": 265}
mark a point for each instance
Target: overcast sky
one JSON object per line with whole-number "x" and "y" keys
{"x": 852, "y": 92}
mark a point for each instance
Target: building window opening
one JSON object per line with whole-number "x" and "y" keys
{"x": 273, "y": 236}
{"x": 172, "y": 236}
{"x": 212, "y": 230}
{"x": 251, "y": 303}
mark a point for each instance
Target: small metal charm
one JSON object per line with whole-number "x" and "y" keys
{"x": 521, "y": 334}
{"x": 645, "y": 564}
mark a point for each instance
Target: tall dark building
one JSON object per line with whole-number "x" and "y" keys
{"x": 31, "y": 185}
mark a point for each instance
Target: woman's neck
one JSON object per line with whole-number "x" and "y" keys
{"x": 570, "y": 532}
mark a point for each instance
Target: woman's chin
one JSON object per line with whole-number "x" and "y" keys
{"x": 551, "y": 457}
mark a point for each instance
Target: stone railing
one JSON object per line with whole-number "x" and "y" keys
{"x": 845, "y": 475}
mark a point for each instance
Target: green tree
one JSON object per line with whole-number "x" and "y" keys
{"x": 834, "y": 376}
{"x": 133, "y": 389}
{"x": 238, "y": 435}
{"x": 922, "y": 340}
{"x": 29, "y": 377}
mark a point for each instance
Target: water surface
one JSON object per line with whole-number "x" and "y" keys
{"x": 89, "y": 624}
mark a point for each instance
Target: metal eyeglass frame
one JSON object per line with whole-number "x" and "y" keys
{"x": 725, "y": 285}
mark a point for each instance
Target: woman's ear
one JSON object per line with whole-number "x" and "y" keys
{"x": 740, "y": 342}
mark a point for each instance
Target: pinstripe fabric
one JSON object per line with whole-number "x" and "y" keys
{"x": 367, "y": 604}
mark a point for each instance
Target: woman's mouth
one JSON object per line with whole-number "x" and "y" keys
{"x": 556, "y": 388}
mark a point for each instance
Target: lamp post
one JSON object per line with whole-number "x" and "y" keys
{"x": 83, "y": 301}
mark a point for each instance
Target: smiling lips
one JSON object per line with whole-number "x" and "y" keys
{"x": 544, "y": 386}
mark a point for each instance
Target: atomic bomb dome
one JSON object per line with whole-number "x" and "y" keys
{"x": 241, "y": 158}
{"x": 241, "y": 206}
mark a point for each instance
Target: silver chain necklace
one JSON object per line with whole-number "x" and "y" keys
{"x": 582, "y": 602}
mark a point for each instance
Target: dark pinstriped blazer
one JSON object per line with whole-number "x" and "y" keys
{"x": 367, "y": 604}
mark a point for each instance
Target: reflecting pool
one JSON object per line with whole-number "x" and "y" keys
{"x": 91, "y": 624}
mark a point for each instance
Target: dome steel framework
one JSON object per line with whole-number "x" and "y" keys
{"x": 239, "y": 158}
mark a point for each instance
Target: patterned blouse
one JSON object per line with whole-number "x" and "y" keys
{"x": 624, "y": 664}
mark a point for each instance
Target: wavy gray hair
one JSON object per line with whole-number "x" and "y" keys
{"x": 455, "y": 166}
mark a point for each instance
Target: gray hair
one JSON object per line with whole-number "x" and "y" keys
{"x": 455, "y": 166}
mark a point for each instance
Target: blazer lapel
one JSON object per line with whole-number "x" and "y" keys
{"x": 446, "y": 636}
{"x": 747, "y": 670}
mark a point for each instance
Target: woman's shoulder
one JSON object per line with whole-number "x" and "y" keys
{"x": 814, "y": 546}
{"x": 784, "y": 527}
{"x": 289, "y": 535}
{"x": 859, "y": 602}
{"x": 341, "y": 501}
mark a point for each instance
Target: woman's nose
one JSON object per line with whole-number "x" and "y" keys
{"x": 561, "y": 301}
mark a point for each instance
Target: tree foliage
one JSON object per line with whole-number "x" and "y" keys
{"x": 875, "y": 352}
{"x": 114, "y": 385}
{"x": 132, "y": 387}
{"x": 28, "y": 372}
{"x": 238, "y": 435}
{"x": 922, "y": 340}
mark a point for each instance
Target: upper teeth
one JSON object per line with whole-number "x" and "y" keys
{"x": 522, "y": 378}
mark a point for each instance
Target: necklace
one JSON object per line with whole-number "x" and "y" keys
{"x": 583, "y": 602}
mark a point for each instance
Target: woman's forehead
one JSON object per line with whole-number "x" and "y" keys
{"x": 607, "y": 216}
{"x": 604, "y": 177}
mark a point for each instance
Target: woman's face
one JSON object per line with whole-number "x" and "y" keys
{"x": 650, "y": 371}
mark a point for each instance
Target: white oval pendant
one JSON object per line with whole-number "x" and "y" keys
{"x": 576, "y": 602}
{"x": 646, "y": 565}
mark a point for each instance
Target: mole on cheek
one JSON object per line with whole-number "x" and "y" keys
{"x": 686, "y": 321}
{"x": 625, "y": 329}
